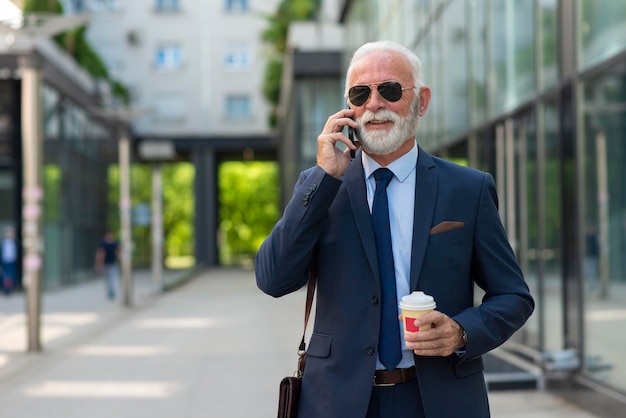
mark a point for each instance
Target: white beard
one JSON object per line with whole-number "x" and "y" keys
{"x": 381, "y": 142}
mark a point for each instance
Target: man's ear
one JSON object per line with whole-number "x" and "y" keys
{"x": 424, "y": 96}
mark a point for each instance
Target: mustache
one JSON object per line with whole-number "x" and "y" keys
{"x": 384, "y": 115}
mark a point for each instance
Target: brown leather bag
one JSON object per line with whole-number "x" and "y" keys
{"x": 289, "y": 388}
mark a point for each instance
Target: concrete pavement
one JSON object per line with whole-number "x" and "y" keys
{"x": 213, "y": 347}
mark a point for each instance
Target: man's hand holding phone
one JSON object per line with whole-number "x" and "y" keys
{"x": 329, "y": 157}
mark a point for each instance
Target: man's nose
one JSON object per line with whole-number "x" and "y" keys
{"x": 375, "y": 101}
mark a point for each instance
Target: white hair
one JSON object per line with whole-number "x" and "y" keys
{"x": 416, "y": 64}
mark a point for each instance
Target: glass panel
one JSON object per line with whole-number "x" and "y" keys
{"x": 604, "y": 266}
{"x": 167, "y": 5}
{"x": 7, "y": 197}
{"x": 549, "y": 246}
{"x": 478, "y": 62}
{"x": 602, "y": 31}
{"x": 74, "y": 206}
{"x": 429, "y": 131}
{"x": 168, "y": 57}
{"x": 237, "y": 6}
{"x": 356, "y": 29}
{"x": 316, "y": 99}
{"x": 103, "y": 6}
{"x": 237, "y": 107}
{"x": 454, "y": 70}
{"x": 51, "y": 102}
{"x": 548, "y": 71}
{"x": 9, "y": 124}
{"x": 513, "y": 43}
{"x": 237, "y": 56}
{"x": 530, "y": 178}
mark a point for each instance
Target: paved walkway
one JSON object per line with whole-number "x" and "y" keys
{"x": 213, "y": 347}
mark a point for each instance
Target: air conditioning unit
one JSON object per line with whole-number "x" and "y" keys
{"x": 133, "y": 38}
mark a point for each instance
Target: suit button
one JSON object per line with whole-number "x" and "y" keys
{"x": 370, "y": 350}
{"x": 374, "y": 300}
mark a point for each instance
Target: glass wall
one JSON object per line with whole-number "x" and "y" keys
{"x": 604, "y": 217}
{"x": 494, "y": 69}
{"x": 9, "y": 157}
{"x": 77, "y": 152}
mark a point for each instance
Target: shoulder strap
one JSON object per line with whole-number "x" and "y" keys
{"x": 310, "y": 291}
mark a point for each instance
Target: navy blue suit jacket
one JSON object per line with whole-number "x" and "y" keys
{"x": 331, "y": 217}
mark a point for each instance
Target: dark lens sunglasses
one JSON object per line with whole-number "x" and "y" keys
{"x": 389, "y": 90}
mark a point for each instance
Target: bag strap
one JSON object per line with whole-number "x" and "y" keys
{"x": 310, "y": 291}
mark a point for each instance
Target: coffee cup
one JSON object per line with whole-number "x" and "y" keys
{"x": 413, "y": 306}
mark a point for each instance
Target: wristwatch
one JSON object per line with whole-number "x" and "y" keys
{"x": 464, "y": 338}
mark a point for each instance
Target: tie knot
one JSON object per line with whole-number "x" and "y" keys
{"x": 383, "y": 176}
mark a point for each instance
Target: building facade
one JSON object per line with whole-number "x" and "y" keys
{"x": 196, "y": 69}
{"x": 533, "y": 92}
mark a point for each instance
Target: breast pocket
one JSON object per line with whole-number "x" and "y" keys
{"x": 319, "y": 346}
{"x": 448, "y": 237}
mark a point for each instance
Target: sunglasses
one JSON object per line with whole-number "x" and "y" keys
{"x": 389, "y": 90}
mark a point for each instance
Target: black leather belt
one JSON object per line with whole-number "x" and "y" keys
{"x": 394, "y": 377}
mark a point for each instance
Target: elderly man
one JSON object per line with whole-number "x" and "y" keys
{"x": 389, "y": 222}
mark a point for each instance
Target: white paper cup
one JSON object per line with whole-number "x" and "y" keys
{"x": 413, "y": 306}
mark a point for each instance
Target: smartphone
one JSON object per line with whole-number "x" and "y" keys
{"x": 352, "y": 138}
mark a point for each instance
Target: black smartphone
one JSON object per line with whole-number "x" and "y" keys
{"x": 352, "y": 138}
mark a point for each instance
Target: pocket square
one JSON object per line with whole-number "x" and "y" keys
{"x": 446, "y": 226}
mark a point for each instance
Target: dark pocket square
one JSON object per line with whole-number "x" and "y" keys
{"x": 446, "y": 226}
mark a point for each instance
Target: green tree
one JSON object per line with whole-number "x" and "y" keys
{"x": 75, "y": 44}
{"x": 45, "y": 6}
{"x": 248, "y": 208}
{"x": 178, "y": 212}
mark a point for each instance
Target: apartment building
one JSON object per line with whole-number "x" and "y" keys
{"x": 194, "y": 69}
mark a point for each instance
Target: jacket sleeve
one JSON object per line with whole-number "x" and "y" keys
{"x": 282, "y": 262}
{"x": 507, "y": 303}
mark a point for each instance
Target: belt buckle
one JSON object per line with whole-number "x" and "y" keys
{"x": 382, "y": 385}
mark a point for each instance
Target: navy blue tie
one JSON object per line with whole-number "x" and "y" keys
{"x": 389, "y": 350}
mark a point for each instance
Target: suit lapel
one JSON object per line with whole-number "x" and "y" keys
{"x": 425, "y": 196}
{"x": 357, "y": 194}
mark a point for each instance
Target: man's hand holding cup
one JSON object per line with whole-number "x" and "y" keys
{"x": 426, "y": 331}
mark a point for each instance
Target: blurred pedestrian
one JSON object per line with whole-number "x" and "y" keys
{"x": 107, "y": 256}
{"x": 8, "y": 261}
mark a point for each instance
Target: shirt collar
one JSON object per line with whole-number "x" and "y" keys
{"x": 401, "y": 167}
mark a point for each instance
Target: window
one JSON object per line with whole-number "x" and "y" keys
{"x": 168, "y": 57}
{"x": 237, "y": 107}
{"x": 77, "y": 6}
{"x": 167, "y": 6}
{"x": 103, "y": 6}
{"x": 237, "y": 6}
{"x": 237, "y": 56}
